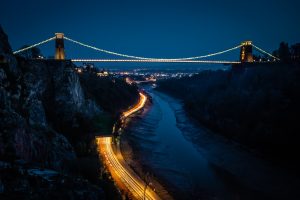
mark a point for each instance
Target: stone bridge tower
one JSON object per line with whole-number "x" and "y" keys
{"x": 246, "y": 52}
{"x": 59, "y": 46}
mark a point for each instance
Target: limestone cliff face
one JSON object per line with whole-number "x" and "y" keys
{"x": 54, "y": 85}
{"x": 35, "y": 96}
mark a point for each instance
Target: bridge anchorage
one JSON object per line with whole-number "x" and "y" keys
{"x": 245, "y": 47}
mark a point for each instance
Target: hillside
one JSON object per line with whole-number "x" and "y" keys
{"x": 256, "y": 106}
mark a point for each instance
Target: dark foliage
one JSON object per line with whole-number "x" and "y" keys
{"x": 111, "y": 94}
{"x": 45, "y": 116}
{"x": 288, "y": 54}
{"x": 17, "y": 183}
{"x": 257, "y": 106}
{"x": 34, "y": 52}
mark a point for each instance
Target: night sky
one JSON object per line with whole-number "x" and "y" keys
{"x": 153, "y": 28}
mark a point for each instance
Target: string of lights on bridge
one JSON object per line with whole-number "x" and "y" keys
{"x": 145, "y": 58}
{"x": 131, "y": 58}
{"x": 261, "y": 50}
{"x": 158, "y": 61}
{"x": 34, "y": 45}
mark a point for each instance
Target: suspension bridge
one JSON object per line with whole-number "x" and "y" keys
{"x": 245, "y": 47}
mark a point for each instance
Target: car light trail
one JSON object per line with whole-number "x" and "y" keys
{"x": 121, "y": 172}
{"x": 137, "y": 107}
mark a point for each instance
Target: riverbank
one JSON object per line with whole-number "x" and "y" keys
{"x": 132, "y": 157}
{"x": 219, "y": 168}
{"x": 144, "y": 148}
{"x": 124, "y": 176}
{"x": 255, "y": 106}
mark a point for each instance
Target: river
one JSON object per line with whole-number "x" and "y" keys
{"x": 194, "y": 163}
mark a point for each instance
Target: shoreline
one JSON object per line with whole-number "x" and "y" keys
{"x": 132, "y": 157}
{"x": 258, "y": 163}
{"x": 128, "y": 181}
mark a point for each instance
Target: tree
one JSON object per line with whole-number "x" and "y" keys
{"x": 30, "y": 53}
{"x": 275, "y": 53}
{"x": 36, "y": 52}
{"x": 284, "y": 52}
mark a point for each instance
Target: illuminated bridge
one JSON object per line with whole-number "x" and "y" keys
{"x": 246, "y": 55}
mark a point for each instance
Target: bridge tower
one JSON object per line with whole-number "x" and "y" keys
{"x": 59, "y": 46}
{"x": 246, "y": 52}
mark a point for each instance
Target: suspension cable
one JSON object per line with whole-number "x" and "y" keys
{"x": 145, "y": 58}
{"x": 261, "y": 50}
{"x": 34, "y": 45}
{"x": 156, "y": 61}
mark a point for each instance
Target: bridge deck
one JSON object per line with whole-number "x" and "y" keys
{"x": 156, "y": 61}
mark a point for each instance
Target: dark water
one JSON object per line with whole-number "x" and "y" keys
{"x": 210, "y": 167}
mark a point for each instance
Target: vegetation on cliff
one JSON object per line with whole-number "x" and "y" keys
{"x": 112, "y": 94}
{"x": 49, "y": 117}
{"x": 257, "y": 106}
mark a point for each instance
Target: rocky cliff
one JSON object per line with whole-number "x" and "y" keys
{"x": 38, "y": 98}
{"x": 41, "y": 102}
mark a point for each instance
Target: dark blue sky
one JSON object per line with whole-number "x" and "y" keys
{"x": 153, "y": 28}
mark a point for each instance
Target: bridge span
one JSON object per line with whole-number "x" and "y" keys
{"x": 245, "y": 55}
{"x": 157, "y": 61}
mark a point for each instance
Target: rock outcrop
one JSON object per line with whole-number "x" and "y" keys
{"x": 6, "y": 55}
{"x": 20, "y": 182}
{"x": 55, "y": 85}
{"x": 36, "y": 96}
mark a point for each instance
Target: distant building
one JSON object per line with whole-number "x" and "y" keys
{"x": 102, "y": 73}
{"x": 78, "y": 70}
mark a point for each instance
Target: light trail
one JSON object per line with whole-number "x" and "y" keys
{"x": 121, "y": 172}
{"x": 137, "y": 107}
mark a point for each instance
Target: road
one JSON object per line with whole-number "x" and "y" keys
{"x": 122, "y": 174}
{"x": 138, "y": 106}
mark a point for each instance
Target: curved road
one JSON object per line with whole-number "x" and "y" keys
{"x": 120, "y": 171}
